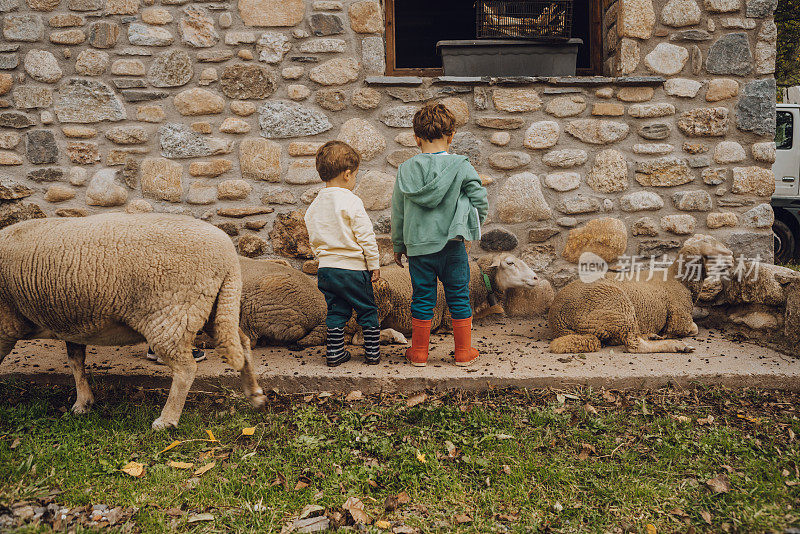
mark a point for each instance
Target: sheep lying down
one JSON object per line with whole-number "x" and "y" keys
{"x": 635, "y": 313}
{"x": 281, "y": 305}
{"x": 393, "y": 292}
{"x": 120, "y": 279}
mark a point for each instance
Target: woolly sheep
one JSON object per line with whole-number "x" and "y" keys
{"x": 281, "y": 304}
{"x": 119, "y": 279}
{"x": 393, "y": 292}
{"x": 635, "y": 313}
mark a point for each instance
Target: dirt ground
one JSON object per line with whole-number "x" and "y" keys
{"x": 514, "y": 353}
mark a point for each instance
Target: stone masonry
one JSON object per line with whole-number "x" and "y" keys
{"x": 216, "y": 109}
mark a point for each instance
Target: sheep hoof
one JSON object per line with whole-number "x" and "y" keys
{"x": 654, "y": 337}
{"x": 685, "y": 348}
{"x": 257, "y": 400}
{"x": 163, "y": 424}
{"x": 80, "y": 408}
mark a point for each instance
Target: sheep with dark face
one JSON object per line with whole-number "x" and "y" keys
{"x": 635, "y": 313}
{"x": 119, "y": 279}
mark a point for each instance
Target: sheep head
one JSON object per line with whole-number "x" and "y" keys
{"x": 512, "y": 272}
{"x": 709, "y": 251}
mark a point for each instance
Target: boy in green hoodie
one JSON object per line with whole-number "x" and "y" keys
{"x": 437, "y": 204}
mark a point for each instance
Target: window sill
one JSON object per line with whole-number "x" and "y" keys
{"x": 581, "y": 81}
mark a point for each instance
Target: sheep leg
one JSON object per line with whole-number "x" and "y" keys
{"x": 390, "y": 336}
{"x": 253, "y": 392}
{"x": 314, "y": 338}
{"x": 77, "y": 356}
{"x": 184, "y": 369}
{"x": 6, "y": 346}
{"x": 574, "y": 343}
{"x": 639, "y": 345}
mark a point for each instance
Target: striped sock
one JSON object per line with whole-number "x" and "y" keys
{"x": 372, "y": 345}
{"x": 335, "y": 353}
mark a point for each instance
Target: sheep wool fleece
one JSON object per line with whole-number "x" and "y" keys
{"x": 118, "y": 279}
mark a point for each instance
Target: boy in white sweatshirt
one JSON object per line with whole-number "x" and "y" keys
{"x": 341, "y": 234}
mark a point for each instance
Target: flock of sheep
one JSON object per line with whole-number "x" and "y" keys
{"x": 119, "y": 279}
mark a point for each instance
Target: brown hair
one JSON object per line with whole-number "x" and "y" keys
{"x": 335, "y": 157}
{"x": 434, "y": 121}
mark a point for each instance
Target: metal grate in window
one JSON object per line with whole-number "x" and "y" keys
{"x": 524, "y": 19}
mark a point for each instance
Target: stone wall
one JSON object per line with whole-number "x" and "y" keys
{"x": 216, "y": 110}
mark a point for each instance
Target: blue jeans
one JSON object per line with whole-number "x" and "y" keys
{"x": 451, "y": 266}
{"x": 345, "y": 291}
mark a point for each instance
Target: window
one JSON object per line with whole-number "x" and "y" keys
{"x": 784, "y": 130}
{"x": 413, "y": 27}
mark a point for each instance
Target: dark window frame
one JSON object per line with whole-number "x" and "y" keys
{"x": 596, "y": 36}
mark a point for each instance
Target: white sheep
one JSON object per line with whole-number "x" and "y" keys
{"x": 119, "y": 279}
{"x": 393, "y": 292}
{"x": 635, "y": 313}
{"x": 280, "y": 304}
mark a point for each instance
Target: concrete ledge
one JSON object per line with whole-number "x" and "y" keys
{"x": 514, "y": 353}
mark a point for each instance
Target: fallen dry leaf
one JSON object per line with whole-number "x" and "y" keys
{"x": 650, "y": 528}
{"x": 170, "y": 446}
{"x": 452, "y": 451}
{"x": 608, "y": 396}
{"x": 383, "y": 524}
{"x": 678, "y": 512}
{"x": 324, "y": 395}
{"x": 196, "y": 518}
{"x": 719, "y": 484}
{"x": 586, "y": 450}
{"x": 206, "y": 468}
{"x": 462, "y": 518}
{"x": 15, "y": 443}
{"x": 590, "y": 409}
{"x": 683, "y": 419}
{"x": 706, "y": 420}
{"x": 372, "y": 483}
{"x": 354, "y": 396}
{"x": 403, "y": 498}
{"x": 181, "y": 465}
{"x": 302, "y": 483}
{"x": 211, "y": 436}
{"x": 421, "y": 458}
{"x": 134, "y": 469}
{"x": 706, "y": 516}
{"x": 356, "y": 509}
{"x": 416, "y": 399}
{"x": 311, "y": 510}
{"x": 249, "y": 431}
{"x": 792, "y": 483}
{"x": 404, "y": 529}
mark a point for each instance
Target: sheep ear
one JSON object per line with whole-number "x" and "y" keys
{"x": 496, "y": 262}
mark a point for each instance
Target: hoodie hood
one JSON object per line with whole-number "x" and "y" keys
{"x": 425, "y": 179}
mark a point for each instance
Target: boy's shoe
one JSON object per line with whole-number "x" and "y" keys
{"x": 417, "y": 353}
{"x": 198, "y": 354}
{"x": 462, "y": 333}
{"x": 339, "y": 359}
{"x": 335, "y": 354}
{"x": 372, "y": 345}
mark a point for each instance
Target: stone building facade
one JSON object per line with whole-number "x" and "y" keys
{"x": 215, "y": 109}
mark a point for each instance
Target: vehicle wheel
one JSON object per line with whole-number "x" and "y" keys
{"x": 784, "y": 242}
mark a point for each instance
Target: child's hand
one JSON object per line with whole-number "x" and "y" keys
{"x": 398, "y": 258}
{"x": 376, "y": 275}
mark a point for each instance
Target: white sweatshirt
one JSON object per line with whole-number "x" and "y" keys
{"x": 340, "y": 231}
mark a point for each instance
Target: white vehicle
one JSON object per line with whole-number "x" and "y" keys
{"x": 786, "y": 200}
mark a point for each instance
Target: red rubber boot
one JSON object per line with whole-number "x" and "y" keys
{"x": 462, "y": 332}
{"x": 417, "y": 354}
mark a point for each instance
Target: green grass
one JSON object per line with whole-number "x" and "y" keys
{"x": 517, "y": 464}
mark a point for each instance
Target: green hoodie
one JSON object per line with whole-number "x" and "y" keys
{"x": 437, "y": 197}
